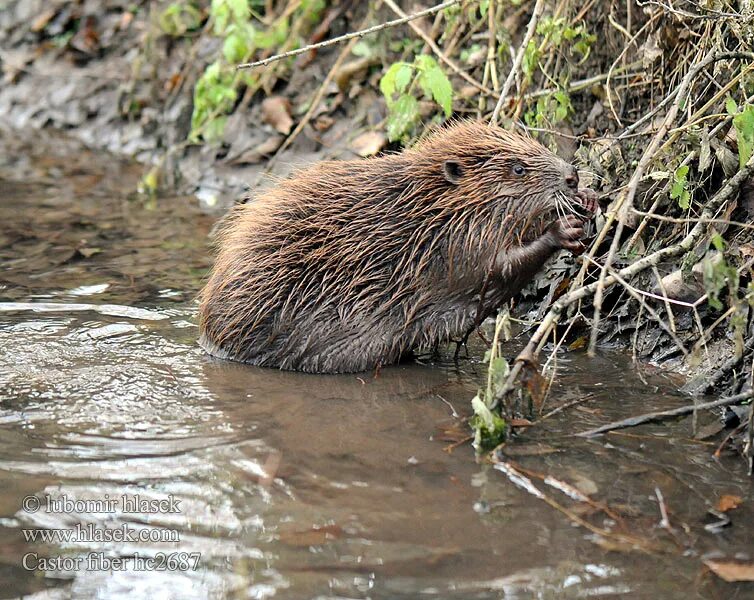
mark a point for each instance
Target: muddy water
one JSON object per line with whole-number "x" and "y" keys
{"x": 285, "y": 485}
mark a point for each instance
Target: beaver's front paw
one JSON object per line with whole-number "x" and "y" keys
{"x": 567, "y": 232}
{"x": 587, "y": 198}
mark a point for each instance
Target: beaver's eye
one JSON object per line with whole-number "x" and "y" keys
{"x": 519, "y": 170}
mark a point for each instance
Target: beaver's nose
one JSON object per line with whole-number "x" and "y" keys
{"x": 572, "y": 177}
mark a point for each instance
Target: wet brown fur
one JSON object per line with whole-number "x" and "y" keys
{"x": 349, "y": 265}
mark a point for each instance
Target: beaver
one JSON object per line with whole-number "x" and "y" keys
{"x": 350, "y": 265}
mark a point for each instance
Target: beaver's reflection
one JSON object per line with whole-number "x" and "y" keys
{"x": 363, "y": 421}
{"x": 357, "y": 465}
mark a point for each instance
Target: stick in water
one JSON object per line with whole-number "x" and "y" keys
{"x": 666, "y": 414}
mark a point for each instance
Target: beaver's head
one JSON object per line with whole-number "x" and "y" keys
{"x": 486, "y": 165}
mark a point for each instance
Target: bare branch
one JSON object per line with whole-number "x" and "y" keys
{"x": 438, "y": 52}
{"x": 539, "y": 8}
{"x": 667, "y": 414}
{"x": 626, "y": 200}
{"x": 529, "y": 353}
{"x": 349, "y": 36}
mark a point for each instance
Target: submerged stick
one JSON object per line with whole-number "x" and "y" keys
{"x": 523, "y": 482}
{"x": 349, "y": 36}
{"x": 666, "y": 414}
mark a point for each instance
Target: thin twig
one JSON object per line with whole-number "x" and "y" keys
{"x": 665, "y": 299}
{"x": 581, "y": 84}
{"x": 539, "y": 8}
{"x": 636, "y": 294}
{"x": 664, "y": 521}
{"x": 313, "y": 105}
{"x": 749, "y": 447}
{"x": 667, "y": 414}
{"x": 354, "y": 34}
{"x": 626, "y": 200}
{"x": 692, "y": 220}
{"x": 659, "y": 197}
{"x": 491, "y": 45}
{"x": 438, "y": 52}
{"x": 566, "y": 406}
{"x": 569, "y": 490}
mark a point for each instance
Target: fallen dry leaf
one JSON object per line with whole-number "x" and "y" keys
{"x": 86, "y": 39}
{"x": 368, "y": 144}
{"x": 456, "y": 432}
{"x": 125, "y": 20}
{"x": 89, "y": 252}
{"x": 172, "y": 82}
{"x": 323, "y": 123}
{"x": 43, "y": 19}
{"x": 276, "y": 111}
{"x": 728, "y": 502}
{"x": 536, "y": 385}
{"x": 731, "y": 570}
{"x": 578, "y": 344}
{"x": 582, "y": 483}
{"x": 256, "y": 154}
{"x": 350, "y": 70}
{"x": 316, "y": 536}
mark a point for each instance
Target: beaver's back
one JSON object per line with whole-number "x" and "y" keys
{"x": 308, "y": 276}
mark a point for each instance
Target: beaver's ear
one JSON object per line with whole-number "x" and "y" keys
{"x": 453, "y": 171}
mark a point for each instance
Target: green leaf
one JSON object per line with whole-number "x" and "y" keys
{"x": 570, "y": 33}
{"x": 361, "y": 48}
{"x": 679, "y": 191}
{"x": 563, "y": 107}
{"x": 684, "y": 201}
{"x": 718, "y": 242}
{"x": 272, "y": 37}
{"x": 531, "y": 58}
{"x": 403, "y": 114}
{"x": 425, "y": 61}
{"x": 718, "y": 274}
{"x": 484, "y": 6}
{"x": 498, "y": 373}
{"x": 483, "y": 412}
{"x": 489, "y": 428}
{"x": 744, "y": 124}
{"x": 239, "y": 9}
{"x": 177, "y": 19}
{"x": 214, "y": 94}
{"x": 403, "y": 77}
{"x": 235, "y": 48}
{"x": 387, "y": 83}
{"x": 730, "y": 106}
{"x": 436, "y": 84}
{"x": 395, "y": 79}
{"x": 221, "y": 16}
